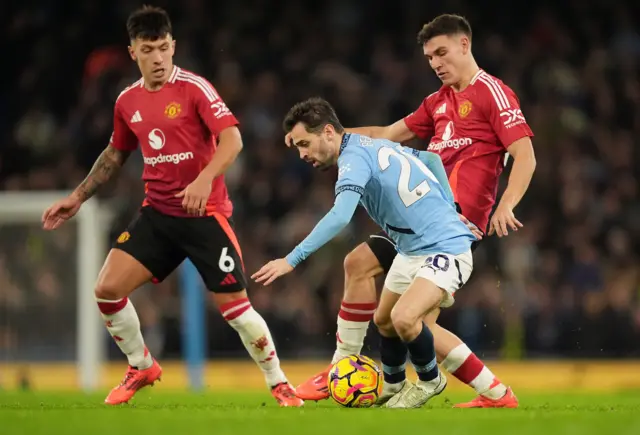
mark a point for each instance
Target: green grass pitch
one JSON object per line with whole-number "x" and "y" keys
{"x": 158, "y": 412}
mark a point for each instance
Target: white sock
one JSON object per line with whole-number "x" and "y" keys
{"x": 353, "y": 322}
{"x": 123, "y": 324}
{"x": 467, "y": 367}
{"x": 255, "y": 336}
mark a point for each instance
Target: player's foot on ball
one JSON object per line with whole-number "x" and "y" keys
{"x": 509, "y": 400}
{"x": 315, "y": 388}
{"x": 134, "y": 380}
{"x": 286, "y": 396}
{"x": 414, "y": 396}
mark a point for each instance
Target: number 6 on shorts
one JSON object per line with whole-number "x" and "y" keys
{"x": 226, "y": 263}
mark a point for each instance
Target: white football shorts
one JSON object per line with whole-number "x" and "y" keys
{"x": 449, "y": 272}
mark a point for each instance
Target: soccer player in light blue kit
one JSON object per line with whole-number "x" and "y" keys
{"x": 404, "y": 197}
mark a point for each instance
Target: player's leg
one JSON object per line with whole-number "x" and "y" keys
{"x": 214, "y": 250}
{"x": 256, "y": 338}
{"x": 456, "y": 358}
{"x": 406, "y": 317}
{"x": 361, "y": 266}
{"x": 393, "y": 351}
{"x": 436, "y": 281}
{"x": 139, "y": 254}
{"x": 120, "y": 275}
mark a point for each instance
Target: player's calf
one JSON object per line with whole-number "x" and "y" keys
{"x": 393, "y": 351}
{"x": 361, "y": 266}
{"x": 416, "y": 337}
{"x": 254, "y": 333}
{"x": 456, "y": 357}
{"x": 469, "y": 369}
{"x": 122, "y": 322}
{"x": 406, "y": 316}
{"x": 121, "y": 275}
{"x": 256, "y": 338}
{"x": 393, "y": 356}
{"x": 359, "y": 303}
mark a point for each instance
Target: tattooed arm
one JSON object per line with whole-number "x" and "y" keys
{"x": 123, "y": 141}
{"x": 104, "y": 169}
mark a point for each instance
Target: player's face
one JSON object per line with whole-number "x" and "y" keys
{"x": 319, "y": 149}
{"x": 446, "y": 55}
{"x": 154, "y": 58}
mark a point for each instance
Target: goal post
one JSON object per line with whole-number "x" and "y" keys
{"x": 92, "y": 243}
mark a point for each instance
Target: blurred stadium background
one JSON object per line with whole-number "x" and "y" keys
{"x": 566, "y": 287}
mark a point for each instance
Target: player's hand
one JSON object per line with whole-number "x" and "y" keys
{"x": 60, "y": 212}
{"x": 195, "y": 196}
{"x": 474, "y": 229}
{"x": 502, "y": 220}
{"x": 272, "y": 271}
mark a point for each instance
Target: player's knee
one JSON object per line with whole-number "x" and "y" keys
{"x": 225, "y": 300}
{"x": 403, "y": 321}
{"x": 110, "y": 291}
{"x": 355, "y": 265}
{"x": 361, "y": 263}
{"x": 237, "y": 311}
{"x": 383, "y": 322}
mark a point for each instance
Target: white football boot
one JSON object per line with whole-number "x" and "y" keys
{"x": 390, "y": 390}
{"x": 417, "y": 395}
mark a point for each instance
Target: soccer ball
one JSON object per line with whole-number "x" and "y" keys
{"x": 355, "y": 382}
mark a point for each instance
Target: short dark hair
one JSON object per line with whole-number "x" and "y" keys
{"x": 314, "y": 114}
{"x": 446, "y": 24}
{"x": 149, "y": 23}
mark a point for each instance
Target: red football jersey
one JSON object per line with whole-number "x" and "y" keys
{"x": 177, "y": 128}
{"x": 471, "y": 131}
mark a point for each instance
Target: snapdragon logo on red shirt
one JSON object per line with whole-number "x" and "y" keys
{"x": 157, "y": 141}
{"x": 447, "y": 141}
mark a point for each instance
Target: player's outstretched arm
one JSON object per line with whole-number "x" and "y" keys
{"x": 327, "y": 228}
{"x": 419, "y": 123}
{"x": 104, "y": 169}
{"x": 396, "y": 132}
{"x": 524, "y": 165}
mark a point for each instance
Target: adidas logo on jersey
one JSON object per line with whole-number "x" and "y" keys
{"x": 136, "y": 117}
{"x": 442, "y": 109}
{"x": 228, "y": 280}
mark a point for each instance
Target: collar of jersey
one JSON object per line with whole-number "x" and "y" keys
{"x": 345, "y": 141}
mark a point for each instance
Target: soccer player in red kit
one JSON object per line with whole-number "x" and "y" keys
{"x": 188, "y": 138}
{"x": 472, "y": 122}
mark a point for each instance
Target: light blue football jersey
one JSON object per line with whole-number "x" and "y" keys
{"x": 402, "y": 196}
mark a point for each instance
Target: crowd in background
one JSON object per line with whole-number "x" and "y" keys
{"x": 566, "y": 285}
